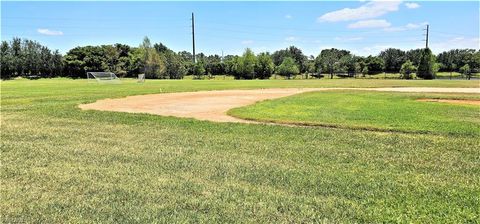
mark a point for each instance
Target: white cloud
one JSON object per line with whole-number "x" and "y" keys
{"x": 409, "y": 26}
{"x": 459, "y": 42}
{"x": 412, "y": 26}
{"x": 246, "y": 42}
{"x": 290, "y": 39}
{"x": 368, "y": 10}
{"x": 347, "y": 39}
{"x": 288, "y": 16}
{"x": 395, "y": 29}
{"x": 373, "y": 23}
{"x": 260, "y": 49}
{"x": 412, "y": 5}
{"x": 372, "y": 50}
{"x": 50, "y": 32}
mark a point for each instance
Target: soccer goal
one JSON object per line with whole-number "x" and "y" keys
{"x": 141, "y": 78}
{"x": 103, "y": 77}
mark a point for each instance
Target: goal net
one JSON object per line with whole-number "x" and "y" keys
{"x": 103, "y": 77}
{"x": 141, "y": 78}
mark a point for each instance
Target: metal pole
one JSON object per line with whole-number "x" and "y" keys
{"x": 193, "y": 37}
{"x": 426, "y": 40}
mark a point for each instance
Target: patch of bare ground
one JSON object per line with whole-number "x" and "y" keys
{"x": 213, "y": 105}
{"x": 464, "y": 102}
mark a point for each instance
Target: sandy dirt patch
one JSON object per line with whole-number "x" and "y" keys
{"x": 201, "y": 105}
{"x": 464, "y": 102}
{"x": 213, "y": 105}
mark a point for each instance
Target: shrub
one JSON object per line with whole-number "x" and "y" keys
{"x": 288, "y": 68}
{"x": 407, "y": 69}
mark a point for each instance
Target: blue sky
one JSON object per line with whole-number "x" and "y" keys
{"x": 363, "y": 27}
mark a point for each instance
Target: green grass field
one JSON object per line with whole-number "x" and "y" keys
{"x": 371, "y": 111}
{"x": 64, "y": 165}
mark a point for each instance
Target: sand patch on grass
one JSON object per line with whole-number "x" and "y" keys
{"x": 464, "y": 102}
{"x": 213, "y": 105}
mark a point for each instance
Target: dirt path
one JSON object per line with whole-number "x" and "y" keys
{"x": 467, "y": 102}
{"x": 213, "y": 105}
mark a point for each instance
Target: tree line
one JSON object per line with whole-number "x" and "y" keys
{"x": 27, "y": 58}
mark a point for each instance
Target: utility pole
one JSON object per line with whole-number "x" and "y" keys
{"x": 193, "y": 37}
{"x": 222, "y": 63}
{"x": 426, "y": 35}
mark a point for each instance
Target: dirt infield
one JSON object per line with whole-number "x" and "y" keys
{"x": 464, "y": 102}
{"x": 213, "y": 105}
{"x": 202, "y": 105}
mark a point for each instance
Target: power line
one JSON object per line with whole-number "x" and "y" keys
{"x": 307, "y": 36}
{"x": 94, "y": 27}
{"x": 454, "y": 34}
{"x": 300, "y": 40}
{"x": 101, "y": 19}
{"x": 297, "y": 29}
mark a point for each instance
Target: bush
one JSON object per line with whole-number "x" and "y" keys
{"x": 288, "y": 68}
{"x": 465, "y": 70}
{"x": 198, "y": 70}
{"x": 407, "y": 69}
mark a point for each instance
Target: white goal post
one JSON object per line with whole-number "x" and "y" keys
{"x": 102, "y": 77}
{"x": 141, "y": 78}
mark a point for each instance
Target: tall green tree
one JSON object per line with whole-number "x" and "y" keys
{"x": 80, "y": 60}
{"x": 46, "y": 62}
{"x": 28, "y": 58}
{"x": 265, "y": 66}
{"x": 161, "y": 48}
{"x": 248, "y": 64}
{"x": 414, "y": 56}
{"x": 32, "y": 58}
{"x": 457, "y": 58}
{"x": 18, "y": 56}
{"x": 186, "y": 56}
{"x": 57, "y": 64}
{"x": 174, "y": 67}
{"x": 375, "y": 64}
{"x": 214, "y": 65}
{"x": 311, "y": 70}
{"x": 232, "y": 65}
{"x": 6, "y": 61}
{"x": 154, "y": 65}
{"x": 393, "y": 59}
{"x": 292, "y": 52}
{"x": 426, "y": 66}
{"x": 348, "y": 64}
{"x": 111, "y": 57}
{"x": 327, "y": 58}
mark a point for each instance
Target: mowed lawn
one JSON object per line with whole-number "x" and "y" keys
{"x": 371, "y": 110}
{"x": 61, "y": 164}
